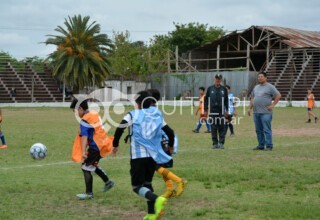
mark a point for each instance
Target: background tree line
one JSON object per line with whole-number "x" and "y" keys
{"x": 86, "y": 57}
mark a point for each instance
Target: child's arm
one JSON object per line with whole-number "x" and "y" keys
{"x": 170, "y": 133}
{"x": 0, "y": 116}
{"x": 117, "y": 135}
{"x": 84, "y": 142}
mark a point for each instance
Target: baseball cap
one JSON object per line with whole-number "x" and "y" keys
{"x": 218, "y": 76}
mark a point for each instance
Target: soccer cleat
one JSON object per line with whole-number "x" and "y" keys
{"x": 207, "y": 131}
{"x": 150, "y": 217}
{"x": 108, "y": 186}
{"x": 309, "y": 121}
{"x": 315, "y": 120}
{"x": 84, "y": 196}
{"x": 181, "y": 186}
{"x": 221, "y": 146}
{"x": 3, "y": 146}
{"x": 195, "y": 131}
{"x": 169, "y": 193}
{"x": 159, "y": 206}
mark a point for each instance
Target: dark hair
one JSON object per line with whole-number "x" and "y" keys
{"x": 228, "y": 87}
{"x": 155, "y": 94}
{"x": 218, "y": 76}
{"x": 264, "y": 73}
{"x": 202, "y": 88}
{"x": 83, "y": 104}
{"x": 144, "y": 98}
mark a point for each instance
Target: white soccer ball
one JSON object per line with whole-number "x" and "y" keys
{"x": 38, "y": 151}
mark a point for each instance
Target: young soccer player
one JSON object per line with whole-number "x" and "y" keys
{"x": 166, "y": 174}
{"x": 3, "y": 146}
{"x": 145, "y": 124}
{"x": 203, "y": 117}
{"x": 311, "y": 105}
{"x": 90, "y": 145}
{"x": 232, "y": 112}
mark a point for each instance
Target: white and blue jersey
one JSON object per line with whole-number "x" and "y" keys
{"x": 231, "y": 104}
{"x": 146, "y": 134}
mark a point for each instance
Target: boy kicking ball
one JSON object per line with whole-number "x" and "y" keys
{"x": 90, "y": 145}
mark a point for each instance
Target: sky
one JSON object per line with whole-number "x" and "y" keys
{"x": 24, "y": 24}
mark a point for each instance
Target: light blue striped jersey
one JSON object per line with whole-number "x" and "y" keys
{"x": 146, "y": 127}
{"x": 231, "y": 104}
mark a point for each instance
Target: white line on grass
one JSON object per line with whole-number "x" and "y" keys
{"x": 52, "y": 164}
{"x": 125, "y": 157}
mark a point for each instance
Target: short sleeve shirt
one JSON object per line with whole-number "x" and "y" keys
{"x": 262, "y": 97}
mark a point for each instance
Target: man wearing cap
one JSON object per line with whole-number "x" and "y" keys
{"x": 216, "y": 103}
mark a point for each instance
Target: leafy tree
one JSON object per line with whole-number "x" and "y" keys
{"x": 189, "y": 36}
{"x": 128, "y": 59}
{"x": 81, "y": 55}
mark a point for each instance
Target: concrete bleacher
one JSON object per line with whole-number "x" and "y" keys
{"x": 30, "y": 86}
{"x": 292, "y": 72}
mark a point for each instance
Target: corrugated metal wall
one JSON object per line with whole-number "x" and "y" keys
{"x": 187, "y": 84}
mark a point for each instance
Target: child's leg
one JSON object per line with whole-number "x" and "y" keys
{"x": 101, "y": 174}
{"x": 108, "y": 184}
{"x": 231, "y": 128}
{"x": 88, "y": 181}
{"x": 2, "y": 138}
{"x": 168, "y": 174}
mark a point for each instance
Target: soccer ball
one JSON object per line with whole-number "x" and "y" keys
{"x": 38, "y": 151}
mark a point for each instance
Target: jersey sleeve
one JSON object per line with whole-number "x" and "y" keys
{"x": 84, "y": 129}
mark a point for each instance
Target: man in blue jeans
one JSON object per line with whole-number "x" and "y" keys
{"x": 261, "y": 102}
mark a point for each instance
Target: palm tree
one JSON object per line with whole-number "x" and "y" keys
{"x": 81, "y": 55}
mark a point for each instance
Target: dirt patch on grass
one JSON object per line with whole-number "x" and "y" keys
{"x": 294, "y": 132}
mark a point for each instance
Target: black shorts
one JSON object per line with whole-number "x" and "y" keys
{"x": 142, "y": 170}
{"x": 165, "y": 165}
{"x": 93, "y": 158}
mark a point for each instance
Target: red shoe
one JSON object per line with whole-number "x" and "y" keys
{"x": 3, "y": 146}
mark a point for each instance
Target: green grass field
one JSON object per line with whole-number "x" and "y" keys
{"x": 235, "y": 183}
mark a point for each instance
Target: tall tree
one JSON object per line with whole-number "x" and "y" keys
{"x": 81, "y": 54}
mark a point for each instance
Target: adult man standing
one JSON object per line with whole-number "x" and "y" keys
{"x": 261, "y": 102}
{"x": 216, "y": 102}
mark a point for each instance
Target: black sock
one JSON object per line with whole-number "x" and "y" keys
{"x": 151, "y": 207}
{"x": 101, "y": 174}
{"x": 88, "y": 180}
{"x": 231, "y": 128}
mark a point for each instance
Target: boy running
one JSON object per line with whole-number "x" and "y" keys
{"x": 145, "y": 148}
{"x": 161, "y": 169}
{"x": 90, "y": 145}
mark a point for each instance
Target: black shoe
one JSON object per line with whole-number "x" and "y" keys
{"x": 309, "y": 121}
{"x": 207, "y": 132}
{"x": 315, "y": 120}
{"x": 215, "y": 146}
{"x": 268, "y": 149}
{"x": 258, "y": 148}
{"x": 195, "y": 131}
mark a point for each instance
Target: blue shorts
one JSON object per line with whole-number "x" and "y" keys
{"x": 309, "y": 109}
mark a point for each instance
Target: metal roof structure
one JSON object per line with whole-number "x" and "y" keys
{"x": 293, "y": 37}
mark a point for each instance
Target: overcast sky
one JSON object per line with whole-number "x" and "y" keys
{"x": 24, "y": 24}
